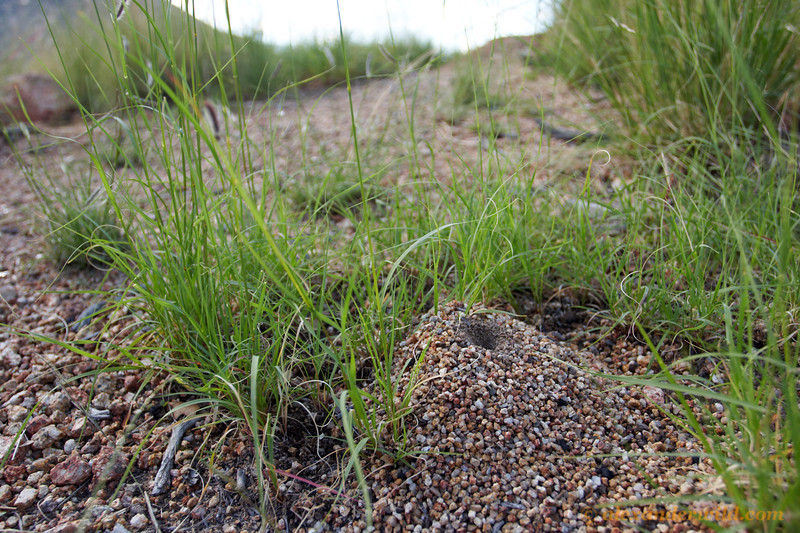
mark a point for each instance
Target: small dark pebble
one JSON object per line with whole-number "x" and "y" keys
{"x": 158, "y": 410}
{"x": 85, "y": 318}
{"x": 49, "y": 505}
{"x": 604, "y": 471}
{"x": 564, "y": 444}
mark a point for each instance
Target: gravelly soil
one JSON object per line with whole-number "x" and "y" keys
{"x": 508, "y": 431}
{"x": 511, "y": 434}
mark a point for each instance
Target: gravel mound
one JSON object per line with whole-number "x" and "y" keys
{"x": 513, "y": 434}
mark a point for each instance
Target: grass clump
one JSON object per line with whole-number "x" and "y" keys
{"x": 337, "y": 193}
{"x": 470, "y": 91}
{"x": 80, "y": 227}
{"x": 679, "y": 69}
{"x": 77, "y": 219}
{"x": 710, "y": 220}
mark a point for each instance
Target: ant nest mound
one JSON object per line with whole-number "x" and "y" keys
{"x": 508, "y": 429}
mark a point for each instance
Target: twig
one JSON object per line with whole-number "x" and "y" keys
{"x": 163, "y": 476}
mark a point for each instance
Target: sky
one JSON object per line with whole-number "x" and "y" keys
{"x": 450, "y": 24}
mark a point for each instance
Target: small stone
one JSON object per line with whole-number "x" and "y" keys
{"x": 70, "y": 445}
{"x": 52, "y": 454}
{"x": 67, "y": 527}
{"x": 13, "y": 473}
{"x": 5, "y": 493}
{"x": 119, "y": 528}
{"x": 26, "y": 498}
{"x": 131, "y": 383}
{"x": 99, "y": 414}
{"x": 49, "y": 505}
{"x": 10, "y": 358}
{"x": 56, "y": 401}
{"x": 101, "y": 402}
{"x": 139, "y": 521}
{"x": 16, "y": 413}
{"x": 34, "y": 96}
{"x": 35, "y": 424}
{"x": 99, "y": 510}
{"x": 39, "y": 465}
{"x": 46, "y": 437}
{"x": 108, "y": 465}
{"x": 654, "y": 394}
{"x": 73, "y": 471}
{"x": 6, "y": 444}
{"x": 118, "y": 408}
{"x": 17, "y": 399}
{"x": 8, "y": 293}
{"x": 90, "y": 447}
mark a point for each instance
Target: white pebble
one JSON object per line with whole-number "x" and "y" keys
{"x": 139, "y": 521}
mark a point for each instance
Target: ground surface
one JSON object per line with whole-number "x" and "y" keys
{"x": 508, "y": 430}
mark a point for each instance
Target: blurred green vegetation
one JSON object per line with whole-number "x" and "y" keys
{"x": 675, "y": 69}
{"x": 155, "y": 39}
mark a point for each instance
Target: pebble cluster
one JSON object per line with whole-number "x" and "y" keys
{"x": 67, "y": 439}
{"x": 513, "y": 435}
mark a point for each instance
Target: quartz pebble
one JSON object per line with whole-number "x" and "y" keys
{"x": 139, "y": 521}
{"x": 26, "y": 498}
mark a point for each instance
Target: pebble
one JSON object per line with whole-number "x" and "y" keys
{"x": 5, "y": 493}
{"x": 26, "y": 498}
{"x": 73, "y": 471}
{"x": 17, "y": 398}
{"x": 56, "y": 401}
{"x": 9, "y": 357}
{"x": 8, "y": 293}
{"x": 17, "y": 413}
{"x": 139, "y": 521}
{"x": 98, "y": 510}
{"x": 46, "y": 437}
{"x": 66, "y": 527}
